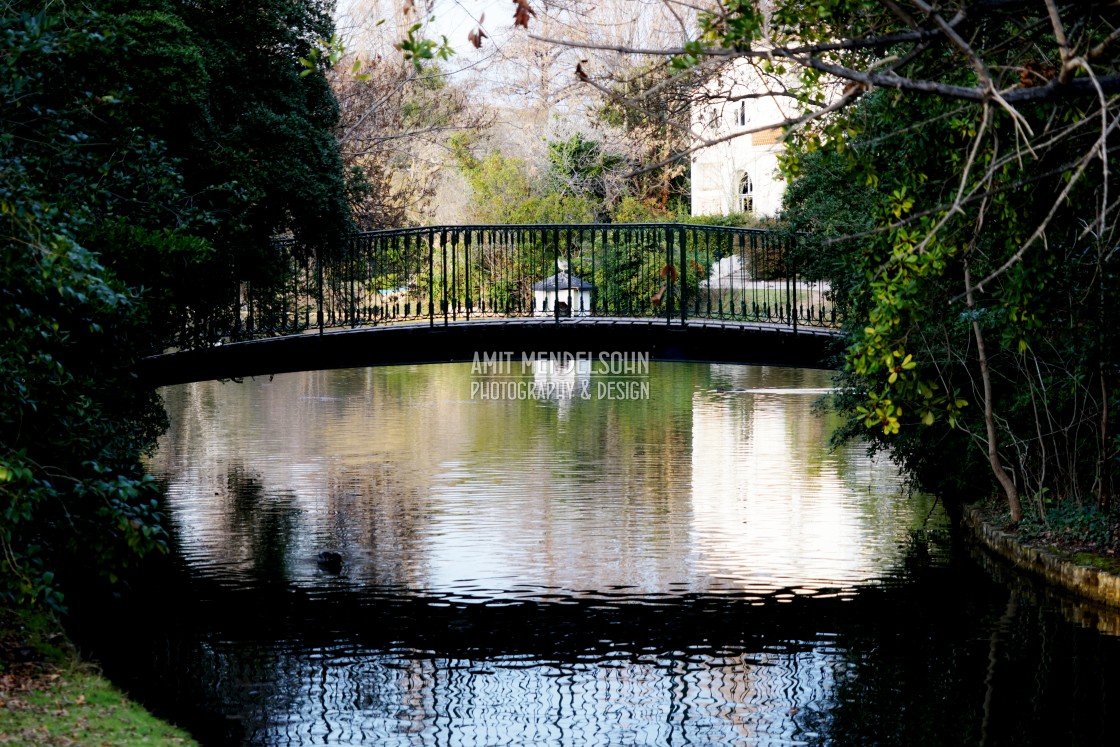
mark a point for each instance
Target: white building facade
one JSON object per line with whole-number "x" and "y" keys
{"x": 740, "y": 174}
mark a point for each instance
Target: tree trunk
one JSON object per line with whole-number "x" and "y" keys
{"x": 1009, "y": 489}
{"x": 1104, "y": 474}
{"x": 1104, "y": 496}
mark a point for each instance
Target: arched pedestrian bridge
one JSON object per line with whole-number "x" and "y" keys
{"x": 447, "y": 293}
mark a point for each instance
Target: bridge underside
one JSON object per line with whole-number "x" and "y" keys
{"x": 700, "y": 340}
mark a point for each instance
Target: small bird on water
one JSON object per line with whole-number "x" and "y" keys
{"x": 330, "y": 561}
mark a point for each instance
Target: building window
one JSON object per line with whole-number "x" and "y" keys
{"x": 746, "y": 195}
{"x": 741, "y": 114}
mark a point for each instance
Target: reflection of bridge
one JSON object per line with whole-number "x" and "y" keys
{"x": 678, "y": 292}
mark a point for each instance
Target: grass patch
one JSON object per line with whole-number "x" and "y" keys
{"x": 1104, "y": 563}
{"x": 49, "y": 697}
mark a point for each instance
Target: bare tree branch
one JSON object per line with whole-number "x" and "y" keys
{"x": 790, "y": 122}
{"x": 1040, "y": 231}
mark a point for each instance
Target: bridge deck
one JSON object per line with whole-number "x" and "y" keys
{"x": 420, "y": 342}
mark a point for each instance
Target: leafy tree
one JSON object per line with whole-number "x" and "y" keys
{"x": 974, "y": 137}
{"x": 150, "y": 153}
{"x": 579, "y": 167}
{"x": 632, "y": 210}
{"x": 502, "y": 192}
{"x": 981, "y": 306}
{"x": 72, "y": 421}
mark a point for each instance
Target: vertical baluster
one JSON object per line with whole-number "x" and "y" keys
{"x": 756, "y": 276}
{"x": 594, "y": 292}
{"x": 791, "y": 271}
{"x": 738, "y": 267}
{"x": 482, "y": 272}
{"x": 411, "y": 302}
{"x": 512, "y": 291}
{"x": 568, "y": 242}
{"x": 586, "y": 255}
{"x": 694, "y": 264}
{"x": 443, "y": 303}
{"x": 632, "y": 237}
{"x": 467, "y": 272}
{"x": 719, "y": 270}
{"x": 556, "y": 274}
{"x": 319, "y": 287}
{"x": 377, "y": 279}
{"x": 306, "y": 295}
{"x": 668, "y": 270}
{"x": 374, "y": 281}
{"x": 619, "y": 254}
{"x": 431, "y": 277}
{"x": 364, "y": 243}
{"x": 361, "y": 275}
{"x": 517, "y": 272}
{"x": 486, "y": 268}
{"x": 708, "y": 269}
{"x": 682, "y": 235}
{"x": 418, "y": 264}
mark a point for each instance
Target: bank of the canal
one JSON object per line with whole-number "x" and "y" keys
{"x": 49, "y": 696}
{"x": 1084, "y": 574}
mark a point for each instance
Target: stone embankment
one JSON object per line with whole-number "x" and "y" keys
{"x": 1086, "y": 581}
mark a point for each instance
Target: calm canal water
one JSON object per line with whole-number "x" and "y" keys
{"x": 689, "y": 569}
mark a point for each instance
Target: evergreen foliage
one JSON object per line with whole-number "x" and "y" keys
{"x": 149, "y": 153}
{"x": 971, "y": 246}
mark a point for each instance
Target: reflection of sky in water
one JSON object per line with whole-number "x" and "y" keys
{"x": 624, "y": 699}
{"x": 769, "y": 505}
{"x": 751, "y": 497}
{"x": 722, "y": 485}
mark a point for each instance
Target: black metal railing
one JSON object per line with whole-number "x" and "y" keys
{"x": 441, "y": 274}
